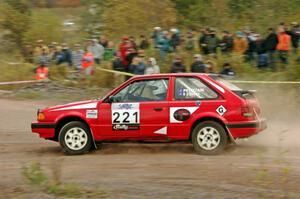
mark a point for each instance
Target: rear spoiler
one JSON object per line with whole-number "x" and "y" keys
{"x": 246, "y": 94}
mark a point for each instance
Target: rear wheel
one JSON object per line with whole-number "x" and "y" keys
{"x": 209, "y": 138}
{"x": 75, "y": 138}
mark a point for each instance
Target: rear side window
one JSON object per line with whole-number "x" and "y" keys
{"x": 190, "y": 88}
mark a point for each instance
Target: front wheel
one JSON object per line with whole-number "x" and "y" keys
{"x": 75, "y": 138}
{"x": 209, "y": 138}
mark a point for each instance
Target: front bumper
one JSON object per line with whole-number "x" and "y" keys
{"x": 246, "y": 129}
{"x": 45, "y": 130}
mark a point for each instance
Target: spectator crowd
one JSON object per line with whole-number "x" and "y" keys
{"x": 130, "y": 54}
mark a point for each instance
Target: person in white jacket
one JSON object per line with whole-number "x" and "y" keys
{"x": 97, "y": 50}
{"x": 152, "y": 67}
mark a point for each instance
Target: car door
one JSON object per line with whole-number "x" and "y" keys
{"x": 138, "y": 111}
{"x": 190, "y": 97}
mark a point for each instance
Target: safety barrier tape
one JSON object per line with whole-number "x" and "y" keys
{"x": 264, "y": 82}
{"x": 18, "y": 82}
{"x": 130, "y": 74}
{"x": 14, "y": 63}
{"x": 115, "y": 71}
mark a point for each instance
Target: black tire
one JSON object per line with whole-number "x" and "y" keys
{"x": 209, "y": 133}
{"x": 81, "y": 137}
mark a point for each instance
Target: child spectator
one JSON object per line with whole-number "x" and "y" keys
{"x": 88, "y": 62}
{"x": 42, "y": 72}
{"x": 227, "y": 70}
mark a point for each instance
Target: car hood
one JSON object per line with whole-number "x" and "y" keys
{"x": 89, "y": 104}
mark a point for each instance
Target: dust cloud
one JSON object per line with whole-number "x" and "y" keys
{"x": 280, "y": 106}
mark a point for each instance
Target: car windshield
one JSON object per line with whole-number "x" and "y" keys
{"x": 226, "y": 83}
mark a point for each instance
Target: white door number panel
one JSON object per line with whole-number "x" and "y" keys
{"x": 125, "y": 116}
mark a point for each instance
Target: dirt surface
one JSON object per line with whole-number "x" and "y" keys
{"x": 264, "y": 166}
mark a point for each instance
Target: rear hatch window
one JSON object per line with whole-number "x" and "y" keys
{"x": 246, "y": 94}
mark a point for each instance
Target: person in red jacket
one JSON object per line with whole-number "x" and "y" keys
{"x": 283, "y": 46}
{"x": 123, "y": 48}
{"x": 42, "y": 72}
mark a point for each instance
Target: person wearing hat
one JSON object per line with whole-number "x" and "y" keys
{"x": 39, "y": 48}
{"x": 175, "y": 39}
{"x": 156, "y": 36}
{"x": 198, "y": 66}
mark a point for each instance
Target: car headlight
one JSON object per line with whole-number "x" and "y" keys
{"x": 40, "y": 116}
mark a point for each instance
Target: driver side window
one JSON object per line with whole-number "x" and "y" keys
{"x": 144, "y": 91}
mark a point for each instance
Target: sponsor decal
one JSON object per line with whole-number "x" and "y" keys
{"x": 182, "y": 114}
{"x": 190, "y": 92}
{"x": 125, "y": 127}
{"x": 92, "y": 114}
{"x": 221, "y": 110}
{"x": 191, "y": 110}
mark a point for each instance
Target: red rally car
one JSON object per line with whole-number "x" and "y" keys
{"x": 201, "y": 108}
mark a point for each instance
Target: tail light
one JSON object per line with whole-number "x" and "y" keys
{"x": 247, "y": 111}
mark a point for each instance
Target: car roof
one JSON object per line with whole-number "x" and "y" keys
{"x": 171, "y": 75}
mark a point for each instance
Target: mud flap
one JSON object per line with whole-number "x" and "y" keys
{"x": 230, "y": 136}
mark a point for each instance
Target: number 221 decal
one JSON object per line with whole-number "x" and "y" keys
{"x": 125, "y": 116}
